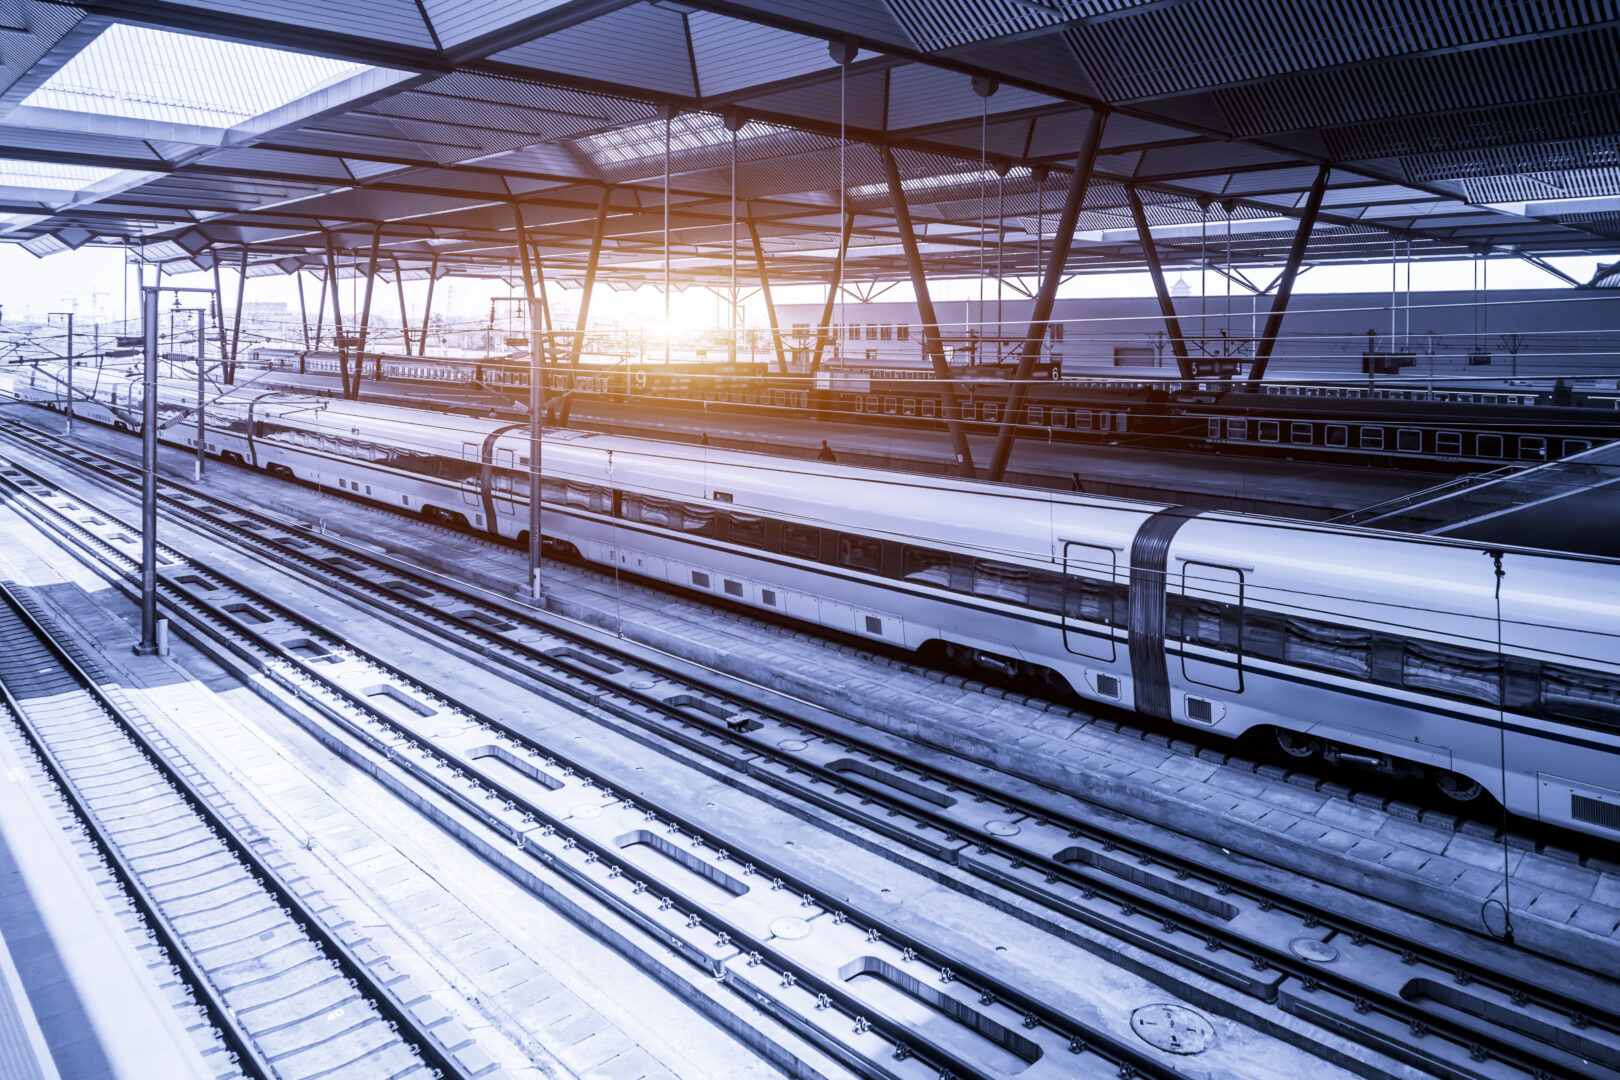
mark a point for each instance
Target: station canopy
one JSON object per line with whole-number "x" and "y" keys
{"x": 285, "y": 132}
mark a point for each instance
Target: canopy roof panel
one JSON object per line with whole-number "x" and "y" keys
{"x": 191, "y": 130}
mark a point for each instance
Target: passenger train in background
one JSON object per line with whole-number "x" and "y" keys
{"x": 1404, "y": 424}
{"x": 1429, "y": 659}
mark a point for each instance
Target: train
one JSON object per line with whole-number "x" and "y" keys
{"x": 1479, "y": 670}
{"x": 1411, "y": 426}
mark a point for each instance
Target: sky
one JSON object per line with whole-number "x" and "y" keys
{"x": 92, "y": 281}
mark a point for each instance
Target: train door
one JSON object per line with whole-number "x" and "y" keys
{"x": 502, "y": 479}
{"x": 1212, "y": 619}
{"x": 1089, "y": 589}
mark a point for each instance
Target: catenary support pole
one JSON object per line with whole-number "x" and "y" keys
{"x": 148, "y": 644}
{"x": 537, "y": 401}
{"x": 202, "y": 363}
{"x": 765, "y": 291}
{"x": 1285, "y": 287}
{"x": 832, "y": 292}
{"x": 1167, "y": 306}
{"x": 1046, "y": 296}
{"x": 932, "y": 344}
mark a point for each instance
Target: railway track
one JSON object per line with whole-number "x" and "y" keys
{"x": 1403, "y": 998}
{"x": 283, "y": 996}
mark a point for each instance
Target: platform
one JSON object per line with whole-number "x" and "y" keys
{"x": 1571, "y": 505}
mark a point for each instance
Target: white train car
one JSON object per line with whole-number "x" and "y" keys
{"x": 1485, "y": 670}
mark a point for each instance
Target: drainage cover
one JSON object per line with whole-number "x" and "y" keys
{"x": 1172, "y": 1028}
{"x": 1001, "y": 828}
{"x": 589, "y": 810}
{"x": 789, "y": 928}
{"x": 792, "y": 745}
{"x": 1319, "y": 952}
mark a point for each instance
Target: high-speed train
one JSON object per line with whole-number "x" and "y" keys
{"x": 1485, "y": 671}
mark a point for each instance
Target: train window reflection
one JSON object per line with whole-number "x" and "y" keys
{"x": 1588, "y": 696}
{"x": 801, "y": 541}
{"x": 747, "y": 530}
{"x": 1331, "y": 648}
{"x": 926, "y": 565}
{"x": 1000, "y": 581}
{"x": 860, "y": 552}
{"x": 1455, "y": 672}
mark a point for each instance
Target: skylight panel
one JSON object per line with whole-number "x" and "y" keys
{"x": 688, "y": 131}
{"x": 138, "y": 73}
{"x": 51, "y": 177}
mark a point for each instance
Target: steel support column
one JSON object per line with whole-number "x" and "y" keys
{"x": 427, "y": 306}
{"x": 365, "y": 312}
{"x": 236, "y": 327}
{"x": 320, "y": 309}
{"x": 346, "y": 382}
{"x": 404, "y": 315}
{"x": 1285, "y": 287}
{"x": 1047, "y": 294}
{"x": 219, "y": 313}
{"x": 303, "y": 313}
{"x": 537, "y": 401}
{"x": 925, "y": 308}
{"x": 148, "y": 644}
{"x": 597, "y": 233}
{"x": 765, "y": 291}
{"x": 832, "y": 292}
{"x": 1167, "y": 306}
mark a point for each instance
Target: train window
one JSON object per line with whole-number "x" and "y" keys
{"x": 1372, "y": 438}
{"x": 1448, "y": 442}
{"x": 1533, "y": 447}
{"x": 992, "y": 412}
{"x": 1336, "y": 435}
{"x": 1587, "y": 696}
{"x": 860, "y": 404}
{"x": 1300, "y": 432}
{"x": 1488, "y": 446}
{"x": 1089, "y": 600}
{"x": 746, "y": 530}
{"x": 860, "y": 552}
{"x": 1201, "y": 623}
{"x": 647, "y": 509}
{"x": 1575, "y": 446}
{"x": 902, "y": 332}
{"x": 1082, "y": 419}
{"x": 1409, "y": 441}
{"x": 801, "y": 541}
{"x": 1330, "y": 648}
{"x": 1037, "y": 414}
{"x": 1000, "y": 581}
{"x": 871, "y": 403}
{"x": 694, "y": 519}
{"x": 1213, "y": 428}
{"x": 781, "y": 397}
{"x": 886, "y": 330}
{"x": 927, "y": 566}
{"x": 1270, "y": 431}
{"x": 929, "y": 407}
{"x": 1237, "y": 429}
{"x": 1456, "y": 672}
{"x": 908, "y": 406}
{"x": 889, "y": 406}
{"x": 1060, "y": 417}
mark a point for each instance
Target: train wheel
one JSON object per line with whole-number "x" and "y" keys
{"x": 1298, "y": 746}
{"x": 1458, "y": 788}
